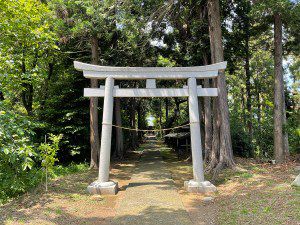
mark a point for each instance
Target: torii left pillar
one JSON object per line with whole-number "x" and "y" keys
{"x": 103, "y": 185}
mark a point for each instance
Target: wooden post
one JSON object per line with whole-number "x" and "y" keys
{"x": 105, "y": 148}
{"x": 150, "y": 83}
{"x": 198, "y": 184}
{"x": 103, "y": 185}
{"x": 195, "y": 131}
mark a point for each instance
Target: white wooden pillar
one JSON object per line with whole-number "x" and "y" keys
{"x": 150, "y": 83}
{"x": 107, "y": 120}
{"x": 195, "y": 131}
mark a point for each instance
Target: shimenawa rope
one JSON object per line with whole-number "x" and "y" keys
{"x": 144, "y": 130}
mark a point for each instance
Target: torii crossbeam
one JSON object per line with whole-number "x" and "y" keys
{"x": 103, "y": 185}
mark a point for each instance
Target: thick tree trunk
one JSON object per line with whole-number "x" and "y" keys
{"x": 207, "y": 123}
{"x": 119, "y": 132}
{"x": 94, "y": 132}
{"x": 225, "y": 153}
{"x": 207, "y": 120}
{"x": 215, "y": 148}
{"x": 280, "y": 145}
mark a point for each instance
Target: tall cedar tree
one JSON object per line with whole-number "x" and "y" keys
{"x": 221, "y": 136}
{"x": 94, "y": 130}
{"x": 280, "y": 138}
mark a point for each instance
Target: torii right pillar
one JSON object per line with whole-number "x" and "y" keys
{"x": 198, "y": 184}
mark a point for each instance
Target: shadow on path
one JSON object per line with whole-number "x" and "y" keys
{"x": 151, "y": 196}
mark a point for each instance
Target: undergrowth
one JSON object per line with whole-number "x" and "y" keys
{"x": 13, "y": 185}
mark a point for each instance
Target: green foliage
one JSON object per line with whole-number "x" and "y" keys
{"x": 87, "y": 18}
{"x": 59, "y": 170}
{"x": 17, "y": 153}
{"x": 19, "y": 158}
{"x": 13, "y": 186}
{"x": 165, "y": 62}
{"x": 14, "y": 183}
{"x": 254, "y": 22}
{"x": 66, "y": 112}
{"x": 240, "y": 141}
{"x": 28, "y": 44}
{"x": 16, "y": 147}
{"x": 48, "y": 154}
{"x": 48, "y": 151}
{"x": 293, "y": 129}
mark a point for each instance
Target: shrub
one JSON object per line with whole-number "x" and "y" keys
{"x": 17, "y": 154}
{"x": 48, "y": 153}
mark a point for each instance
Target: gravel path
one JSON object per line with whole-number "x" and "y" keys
{"x": 151, "y": 196}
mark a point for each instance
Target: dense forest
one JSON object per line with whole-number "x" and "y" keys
{"x": 42, "y": 107}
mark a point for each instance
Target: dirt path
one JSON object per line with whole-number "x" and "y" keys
{"x": 151, "y": 197}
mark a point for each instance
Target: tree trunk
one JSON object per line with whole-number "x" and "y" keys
{"x": 1, "y": 96}
{"x": 27, "y": 97}
{"x": 133, "y": 123}
{"x": 258, "y": 109}
{"x": 47, "y": 80}
{"x": 261, "y": 152}
{"x": 139, "y": 117}
{"x": 119, "y": 131}
{"x": 94, "y": 133}
{"x": 215, "y": 148}
{"x": 207, "y": 120}
{"x": 27, "y": 91}
{"x": 225, "y": 153}
{"x": 201, "y": 118}
{"x": 280, "y": 145}
{"x": 167, "y": 108}
{"x": 243, "y": 106}
{"x": 248, "y": 91}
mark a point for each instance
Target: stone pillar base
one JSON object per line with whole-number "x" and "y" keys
{"x": 199, "y": 187}
{"x": 103, "y": 188}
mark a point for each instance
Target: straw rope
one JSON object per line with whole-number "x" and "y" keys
{"x": 144, "y": 130}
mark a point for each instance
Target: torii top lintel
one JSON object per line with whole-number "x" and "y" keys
{"x": 128, "y": 73}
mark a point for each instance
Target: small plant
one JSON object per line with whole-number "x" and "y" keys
{"x": 48, "y": 154}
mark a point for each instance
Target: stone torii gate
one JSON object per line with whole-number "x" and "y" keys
{"x": 103, "y": 185}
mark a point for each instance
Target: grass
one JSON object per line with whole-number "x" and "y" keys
{"x": 60, "y": 170}
{"x": 13, "y": 185}
{"x": 254, "y": 194}
{"x": 67, "y": 201}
